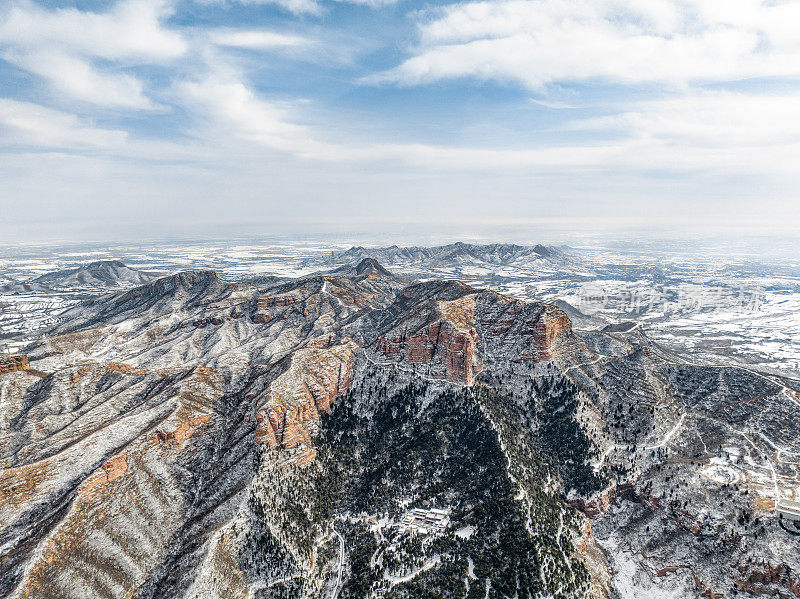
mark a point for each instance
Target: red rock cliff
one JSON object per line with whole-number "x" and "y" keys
{"x": 317, "y": 375}
{"x": 449, "y": 340}
{"x": 453, "y": 337}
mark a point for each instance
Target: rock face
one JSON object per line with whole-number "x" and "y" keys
{"x": 316, "y": 376}
{"x": 13, "y": 362}
{"x": 194, "y": 438}
{"x": 441, "y": 341}
{"x": 764, "y": 578}
{"x": 441, "y": 344}
{"x": 454, "y": 337}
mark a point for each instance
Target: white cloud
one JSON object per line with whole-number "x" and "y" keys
{"x": 31, "y": 124}
{"x": 538, "y": 42}
{"x": 256, "y": 39}
{"x": 304, "y": 7}
{"x": 79, "y": 79}
{"x": 712, "y": 132}
{"x": 542, "y": 44}
{"x": 298, "y": 7}
{"x": 233, "y": 110}
{"x": 63, "y": 45}
{"x": 131, "y": 30}
{"x": 315, "y": 45}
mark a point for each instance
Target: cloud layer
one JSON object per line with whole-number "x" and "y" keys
{"x": 66, "y": 46}
{"x": 540, "y": 42}
{"x": 311, "y": 100}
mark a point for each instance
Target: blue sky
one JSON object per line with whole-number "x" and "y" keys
{"x": 122, "y": 117}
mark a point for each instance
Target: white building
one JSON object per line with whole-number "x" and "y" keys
{"x": 423, "y": 521}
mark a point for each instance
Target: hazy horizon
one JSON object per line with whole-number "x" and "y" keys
{"x": 723, "y": 244}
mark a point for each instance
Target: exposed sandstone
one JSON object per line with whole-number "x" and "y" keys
{"x": 546, "y": 335}
{"x": 599, "y": 504}
{"x": 596, "y": 563}
{"x": 454, "y": 348}
{"x": 762, "y": 578}
{"x": 316, "y": 376}
{"x": 454, "y": 338}
{"x": 666, "y": 571}
{"x": 13, "y": 363}
{"x": 126, "y": 368}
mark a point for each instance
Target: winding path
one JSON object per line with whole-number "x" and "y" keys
{"x": 338, "y": 586}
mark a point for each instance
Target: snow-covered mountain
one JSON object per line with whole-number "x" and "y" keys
{"x": 104, "y": 274}
{"x": 353, "y": 433}
{"x": 9, "y": 285}
{"x": 454, "y": 254}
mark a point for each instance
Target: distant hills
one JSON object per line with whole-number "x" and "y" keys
{"x": 107, "y": 274}
{"x": 100, "y": 275}
{"x": 9, "y": 285}
{"x": 454, "y": 254}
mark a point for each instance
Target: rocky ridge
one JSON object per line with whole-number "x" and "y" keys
{"x": 13, "y": 362}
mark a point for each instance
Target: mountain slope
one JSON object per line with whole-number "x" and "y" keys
{"x": 8, "y": 285}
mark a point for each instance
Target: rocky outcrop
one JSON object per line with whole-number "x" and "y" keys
{"x": 439, "y": 342}
{"x": 525, "y": 331}
{"x": 316, "y": 376}
{"x": 767, "y": 579}
{"x": 547, "y": 333}
{"x": 342, "y": 292}
{"x": 202, "y": 323}
{"x": 13, "y": 362}
{"x": 599, "y": 504}
{"x": 455, "y": 336}
{"x": 596, "y": 563}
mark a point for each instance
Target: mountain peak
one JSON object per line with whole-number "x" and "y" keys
{"x": 104, "y": 274}
{"x": 371, "y": 266}
{"x": 186, "y": 278}
{"x": 366, "y": 267}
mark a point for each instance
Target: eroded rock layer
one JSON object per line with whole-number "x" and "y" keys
{"x": 13, "y": 362}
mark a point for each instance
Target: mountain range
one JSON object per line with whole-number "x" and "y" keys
{"x": 95, "y": 276}
{"x": 199, "y": 438}
{"x": 454, "y": 254}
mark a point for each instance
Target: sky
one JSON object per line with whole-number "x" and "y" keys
{"x": 145, "y": 118}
